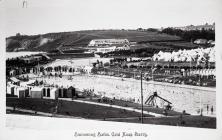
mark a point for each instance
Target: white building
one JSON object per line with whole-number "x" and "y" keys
{"x": 122, "y": 47}
{"x": 108, "y": 45}
{"x": 106, "y": 49}
{"x": 50, "y": 93}
{"x": 200, "y": 41}
{"x": 102, "y": 42}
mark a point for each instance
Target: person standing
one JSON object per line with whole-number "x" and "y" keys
{"x": 207, "y": 108}
{"x": 212, "y": 110}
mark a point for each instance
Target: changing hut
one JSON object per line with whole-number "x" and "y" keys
{"x": 36, "y": 92}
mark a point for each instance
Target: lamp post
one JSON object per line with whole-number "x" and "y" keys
{"x": 141, "y": 97}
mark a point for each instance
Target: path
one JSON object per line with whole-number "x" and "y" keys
{"x": 114, "y": 106}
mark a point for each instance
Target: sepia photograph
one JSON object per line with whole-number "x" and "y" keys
{"x": 125, "y": 62}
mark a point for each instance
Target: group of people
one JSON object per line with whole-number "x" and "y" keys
{"x": 209, "y": 110}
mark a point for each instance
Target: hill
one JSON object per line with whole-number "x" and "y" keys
{"x": 79, "y": 39}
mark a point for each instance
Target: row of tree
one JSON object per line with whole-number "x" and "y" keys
{"x": 192, "y": 34}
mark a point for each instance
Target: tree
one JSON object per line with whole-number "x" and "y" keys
{"x": 18, "y": 34}
{"x": 152, "y": 30}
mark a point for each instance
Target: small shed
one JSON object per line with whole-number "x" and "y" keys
{"x": 71, "y": 92}
{"x": 26, "y": 92}
{"x": 60, "y": 91}
{"x": 54, "y": 93}
{"x": 20, "y": 92}
{"x": 65, "y": 93}
{"x": 10, "y": 89}
{"x": 36, "y": 92}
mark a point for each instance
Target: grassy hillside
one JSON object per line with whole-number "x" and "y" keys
{"x": 79, "y": 39}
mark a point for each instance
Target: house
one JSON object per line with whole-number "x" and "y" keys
{"x": 27, "y": 60}
{"x": 108, "y": 45}
{"x": 197, "y": 27}
{"x": 15, "y": 81}
{"x": 31, "y": 59}
{"x": 37, "y": 92}
{"x": 112, "y": 48}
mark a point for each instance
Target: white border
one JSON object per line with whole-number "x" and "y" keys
{"x": 155, "y": 132}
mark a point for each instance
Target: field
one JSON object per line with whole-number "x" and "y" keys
{"x": 80, "y": 39}
{"x": 82, "y": 110}
{"x": 71, "y": 108}
{"x": 187, "y": 121}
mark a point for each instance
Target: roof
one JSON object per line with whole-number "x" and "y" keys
{"x": 110, "y": 40}
{"x": 46, "y": 56}
{"x": 20, "y": 88}
{"x": 30, "y": 57}
{"x": 27, "y": 58}
{"x": 88, "y": 67}
{"x": 54, "y": 89}
{"x": 107, "y": 41}
{"x": 120, "y": 45}
{"x": 108, "y": 47}
{"x": 200, "y": 40}
{"x": 36, "y": 89}
{"x": 14, "y": 79}
{"x": 71, "y": 87}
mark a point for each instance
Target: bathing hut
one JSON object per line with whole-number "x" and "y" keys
{"x": 26, "y": 92}
{"x": 54, "y": 94}
{"x": 10, "y": 90}
{"x": 71, "y": 92}
{"x": 60, "y": 91}
{"x": 50, "y": 93}
{"x": 20, "y": 92}
{"x": 64, "y": 92}
{"x": 36, "y": 92}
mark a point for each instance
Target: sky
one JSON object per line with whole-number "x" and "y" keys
{"x": 43, "y": 16}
